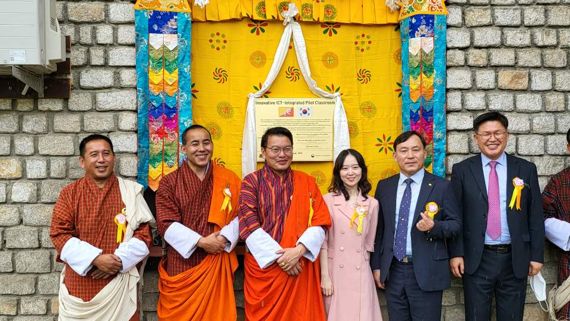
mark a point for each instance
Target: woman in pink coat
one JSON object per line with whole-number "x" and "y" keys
{"x": 346, "y": 277}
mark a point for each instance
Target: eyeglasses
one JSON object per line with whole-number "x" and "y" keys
{"x": 287, "y": 150}
{"x": 497, "y": 135}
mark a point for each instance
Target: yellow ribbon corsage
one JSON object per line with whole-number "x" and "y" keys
{"x": 311, "y": 210}
{"x": 359, "y": 213}
{"x": 121, "y": 221}
{"x": 517, "y": 192}
{"x": 432, "y": 209}
{"x": 227, "y": 203}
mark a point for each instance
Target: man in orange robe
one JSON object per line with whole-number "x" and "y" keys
{"x": 196, "y": 208}
{"x": 282, "y": 218}
{"x": 84, "y": 231}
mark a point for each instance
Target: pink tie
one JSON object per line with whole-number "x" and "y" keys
{"x": 494, "y": 214}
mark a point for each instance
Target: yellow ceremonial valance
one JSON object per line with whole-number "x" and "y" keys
{"x": 344, "y": 11}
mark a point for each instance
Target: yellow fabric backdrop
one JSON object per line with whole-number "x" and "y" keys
{"x": 231, "y": 59}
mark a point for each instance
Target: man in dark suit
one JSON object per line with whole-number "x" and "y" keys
{"x": 417, "y": 213}
{"x": 502, "y": 239}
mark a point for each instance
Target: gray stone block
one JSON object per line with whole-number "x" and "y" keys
{"x": 24, "y": 192}
{"x": 68, "y": 30}
{"x": 485, "y": 79}
{"x": 33, "y": 305}
{"x": 562, "y": 123}
{"x": 3, "y": 196}
{"x": 34, "y": 123}
{"x": 46, "y": 104}
{"x": 86, "y": 11}
{"x": 452, "y": 160}
{"x": 37, "y": 214}
{"x": 125, "y": 99}
{"x": 543, "y": 124}
{"x": 502, "y": 57}
{"x": 78, "y": 57}
{"x": 477, "y": 57}
{"x": 128, "y": 77}
{"x": 15, "y": 284}
{"x": 562, "y": 80}
{"x": 128, "y": 165}
{"x": 540, "y": 79}
{"x": 477, "y": 16}
{"x": 121, "y": 12}
{"x": 475, "y": 100}
{"x": 455, "y": 58}
{"x": 9, "y": 215}
{"x": 128, "y": 121}
{"x": 5, "y": 265}
{"x": 45, "y": 242}
{"x": 454, "y": 16}
{"x": 74, "y": 170}
{"x": 10, "y": 168}
{"x": 21, "y": 237}
{"x": 548, "y": 165}
{"x": 554, "y": 102}
{"x": 458, "y": 38}
{"x": 124, "y": 142}
{"x": 67, "y": 123}
{"x": 48, "y": 283}
{"x": 56, "y": 145}
{"x": 5, "y": 104}
{"x": 458, "y": 143}
{"x": 86, "y": 34}
{"x": 459, "y": 121}
{"x": 50, "y": 189}
{"x": 96, "y": 78}
{"x": 544, "y": 37}
{"x": 558, "y": 15}
{"x": 34, "y": 318}
{"x": 36, "y": 261}
{"x": 529, "y": 57}
{"x": 459, "y": 78}
{"x": 529, "y": 102}
{"x": 36, "y": 168}
{"x": 530, "y": 144}
{"x": 507, "y": 16}
{"x": 533, "y": 16}
{"x": 454, "y": 102}
{"x": 8, "y": 306}
{"x": 98, "y": 122}
{"x": 104, "y": 34}
{"x": 486, "y": 37}
{"x": 516, "y": 37}
{"x": 24, "y": 145}
{"x": 555, "y": 57}
{"x": 80, "y": 101}
{"x": 556, "y": 145}
{"x": 9, "y": 123}
{"x": 564, "y": 37}
{"x": 518, "y": 123}
{"x": 513, "y": 79}
{"x": 501, "y": 101}
{"x": 57, "y": 167}
{"x": 97, "y": 56}
{"x": 5, "y": 145}
{"x": 24, "y": 104}
{"x": 123, "y": 56}
{"x": 126, "y": 34}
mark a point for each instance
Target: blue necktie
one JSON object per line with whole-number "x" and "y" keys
{"x": 402, "y": 226}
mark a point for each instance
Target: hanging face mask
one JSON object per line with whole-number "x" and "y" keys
{"x": 538, "y": 286}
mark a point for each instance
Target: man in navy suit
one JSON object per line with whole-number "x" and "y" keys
{"x": 417, "y": 213}
{"x": 502, "y": 240}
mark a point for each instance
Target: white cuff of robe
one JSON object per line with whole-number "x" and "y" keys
{"x": 263, "y": 248}
{"x": 312, "y": 239}
{"x": 558, "y": 232}
{"x": 231, "y": 233}
{"x": 79, "y": 255}
{"x": 183, "y": 239}
{"x": 131, "y": 253}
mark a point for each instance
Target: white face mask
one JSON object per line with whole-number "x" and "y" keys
{"x": 538, "y": 285}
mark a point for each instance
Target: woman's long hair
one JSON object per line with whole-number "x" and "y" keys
{"x": 337, "y": 186}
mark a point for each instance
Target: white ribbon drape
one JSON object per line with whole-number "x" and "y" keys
{"x": 340, "y": 126}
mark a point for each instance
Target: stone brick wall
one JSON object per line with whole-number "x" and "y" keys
{"x": 504, "y": 55}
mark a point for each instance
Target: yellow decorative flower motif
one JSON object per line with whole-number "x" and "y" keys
{"x": 215, "y": 130}
{"x": 353, "y": 130}
{"x": 307, "y": 11}
{"x": 397, "y": 56}
{"x": 363, "y": 42}
{"x": 225, "y": 110}
{"x": 320, "y": 177}
{"x": 257, "y": 59}
{"x": 217, "y": 41}
{"x": 330, "y": 60}
{"x": 368, "y": 109}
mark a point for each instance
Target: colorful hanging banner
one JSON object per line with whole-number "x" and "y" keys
{"x": 163, "y": 90}
{"x": 423, "y": 78}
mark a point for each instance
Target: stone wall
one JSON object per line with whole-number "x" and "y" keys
{"x": 503, "y": 55}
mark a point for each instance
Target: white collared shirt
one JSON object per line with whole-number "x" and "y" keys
{"x": 501, "y": 169}
{"x": 416, "y": 185}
